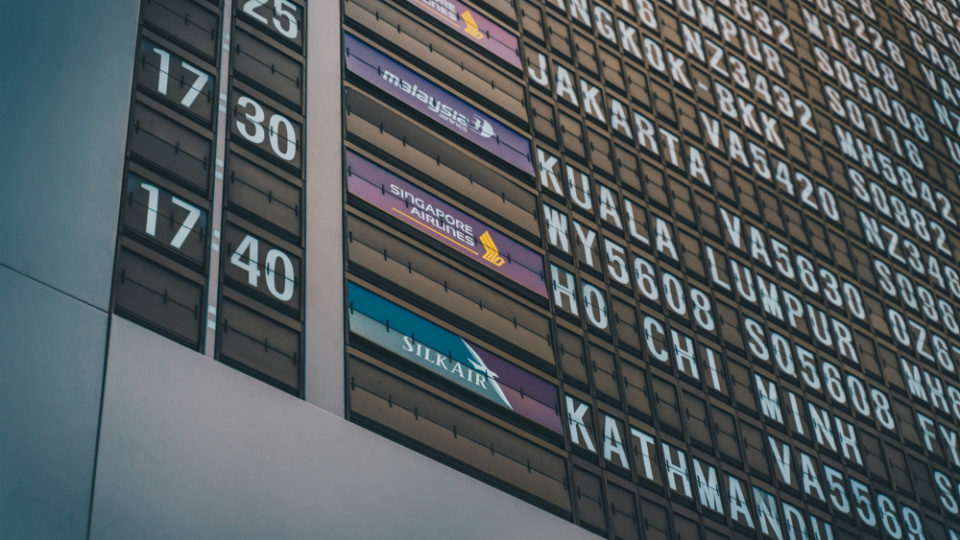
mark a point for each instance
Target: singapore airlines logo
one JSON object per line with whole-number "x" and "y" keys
{"x": 446, "y": 10}
{"x": 471, "y": 29}
{"x": 492, "y": 253}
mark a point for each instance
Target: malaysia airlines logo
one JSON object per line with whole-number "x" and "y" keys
{"x": 447, "y": 113}
{"x": 482, "y": 127}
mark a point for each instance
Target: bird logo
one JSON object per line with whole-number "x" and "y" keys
{"x": 492, "y": 253}
{"x": 472, "y": 29}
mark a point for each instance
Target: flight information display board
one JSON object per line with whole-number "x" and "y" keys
{"x": 210, "y": 247}
{"x": 717, "y": 241}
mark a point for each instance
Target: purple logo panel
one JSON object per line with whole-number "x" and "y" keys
{"x": 446, "y": 223}
{"x": 431, "y": 100}
{"x": 481, "y": 30}
{"x": 452, "y": 357}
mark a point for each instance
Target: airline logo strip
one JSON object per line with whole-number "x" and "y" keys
{"x": 444, "y": 222}
{"x": 483, "y": 31}
{"x": 428, "y": 98}
{"x": 466, "y": 364}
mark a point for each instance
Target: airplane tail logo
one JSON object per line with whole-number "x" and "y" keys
{"x": 471, "y": 28}
{"x": 492, "y": 253}
{"x": 483, "y": 127}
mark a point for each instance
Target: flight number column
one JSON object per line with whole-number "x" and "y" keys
{"x": 259, "y": 315}
{"x": 162, "y": 256}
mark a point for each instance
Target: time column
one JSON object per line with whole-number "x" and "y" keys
{"x": 163, "y": 242}
{"x": 259, "y": 316}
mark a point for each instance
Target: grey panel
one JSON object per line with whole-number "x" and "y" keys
{"x": 153, "y": 295}
{"x": 160, "y": 227}
{"x": 170, "y": 147}
{"x": 186, "y": 22}
{"x": 276, "y": 270}
{"x": 178, "y": 79}
{"x": 256, "y": 14}
{"x": 277, "y": 136}
{"x": 190, "y": 448}
{"x": 324, "y": 360}
{"x": 63, "y": 139}
{"x": 254, "y": 192}
{"x": 267, "y": 68}
{"x": 51, "y": 366}
{"x": 257, "y": 343}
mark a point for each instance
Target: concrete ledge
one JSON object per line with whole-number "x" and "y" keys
{"x": 190, "y": 448}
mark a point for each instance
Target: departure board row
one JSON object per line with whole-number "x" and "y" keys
{"x": 665, "y": 269}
